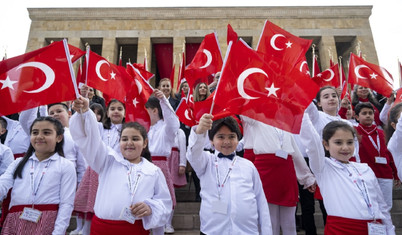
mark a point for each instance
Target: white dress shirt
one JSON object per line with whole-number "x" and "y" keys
{"x": 266, "y": 139}
{"x": 343, "y": 197}
{"x": 180, "y": 143}
{"x": 114, "y": 188}
{"x": 111, "y": 137}
{"x": 395, "y": 146}
{"x": 17, "y": 140}
{"x": 247, "y": 207}
{"x": 57, "y": 186}
{"x": 162, "y": 134}
{"x": 6, "y": 158}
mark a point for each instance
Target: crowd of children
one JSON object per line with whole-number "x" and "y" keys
{"x": 117, "y": 178}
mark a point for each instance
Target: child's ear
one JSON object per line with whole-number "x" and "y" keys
{"x": 319, "y": 104}
{"x": 326, "y": 145}
{"x": 393, "y": 124}
{"x": 145, "y": 143}
{"x": 59, "y": 138}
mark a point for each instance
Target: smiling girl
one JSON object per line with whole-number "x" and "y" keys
{"x": 132, "y": 196}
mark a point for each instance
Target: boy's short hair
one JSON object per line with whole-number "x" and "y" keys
{"x": 62, "y": 104}
{"x": 229, "y": 122}
{"x": 362, "y": 105}
{"x": 3, "y": 122}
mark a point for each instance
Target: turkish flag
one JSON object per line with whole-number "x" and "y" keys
{"x": 111, "y": 79}
{"x": 135, "y": 106}
{"x": 75, "y": 53}
{"x": 144, "y": 73}
{"x": 146, "y": 88}
{"x": 303, "y": 66}
{"x": 37, "y": 78}
{"x": 250, "y": 87}
{"x": 231, "y": 35}
{"x": 329, "y": 77}
{"x": 206, "y": 62}
{"x": 370, "y": 75}
{"x": 185, "y": 113}
{"x": 276, "y": 42}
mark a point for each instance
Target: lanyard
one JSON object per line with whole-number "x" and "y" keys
{"x": 377, "y": 145}
{"x": 360, "y": 184}
{"x": 32, "y": 171}
{"x": 132, "y": 188}
{"x": 220, "y": 186}
{"x": 280, "y": 135}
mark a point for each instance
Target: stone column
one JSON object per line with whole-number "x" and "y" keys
{"x": 365, "y": 44}
{"x": 327, "y": 44}
{"x": 109, "y": 49}
{"x": 77, "y": 43}
{"x": 144, "y": 44}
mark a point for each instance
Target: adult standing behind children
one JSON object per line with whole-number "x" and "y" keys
{"x": 233, "y": 200}
{"x": 132, "y": 196}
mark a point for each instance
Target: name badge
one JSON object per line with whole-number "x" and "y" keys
{"x": 220, "y": 207}
{"x": 31, "y": 214}
{"x": 376, "y": 229}
{"x": 282, "y": 154}
{"x": 380, "y": 160}
{"x": 126, "y": 215}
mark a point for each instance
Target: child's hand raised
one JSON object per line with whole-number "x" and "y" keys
{"x": 81, "y": 105}
{"x": 158, "y": 94}
{"x": 205, "y": 123}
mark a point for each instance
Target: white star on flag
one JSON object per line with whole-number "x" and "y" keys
{"x": 135, "y": 102}
{"x": 71, "y": 57}
{"x": 373, "y": 76}
{"x": 289, "y": 44}
{"x": 319, "y": 75}
{"x": 7, "y": 83}
{"x": 272, "y": 90}
{"x": 113, "y": 75}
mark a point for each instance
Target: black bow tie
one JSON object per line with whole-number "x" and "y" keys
{"x": 230, "y": 156}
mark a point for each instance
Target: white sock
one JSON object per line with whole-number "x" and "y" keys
{"x": 79, "y": 223}
{"x": 170, "y": 218}
{"x": 87, "y": 227}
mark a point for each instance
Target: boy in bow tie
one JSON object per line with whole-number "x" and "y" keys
{"x": 233, "y": 201}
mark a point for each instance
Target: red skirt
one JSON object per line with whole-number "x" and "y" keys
{"x": 278, "y": 178}
{"x": 173, "y": 163}
{"x": 86, "y": 193}
{"x": 107, "y": 227}
{"x": 161, "y": 162}
{"x": 249, "y": 155}
{"x": 340, "y": 226}
{"x": 45, "y": 225}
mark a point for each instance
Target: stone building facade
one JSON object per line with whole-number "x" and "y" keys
{"x": 335, "y": 30}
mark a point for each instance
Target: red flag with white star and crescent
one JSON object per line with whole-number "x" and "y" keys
{"x": 370, "y": 75}
{"x": 135, "y": 106}
{"x": 185, "y": 113}
{"x": 111, "y": 79}
{"x": 137, "y": 75}
{"x": 206, "y": 62}
{"x": 250, "y": 87}
{"x": 37, "y": 78}
{"x": 329, "y": 77}
{"x": 279, "y": 45}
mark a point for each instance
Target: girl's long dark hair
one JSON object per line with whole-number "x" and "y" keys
{"x": 135, "y": 125}
{"x": 58, "y": 149}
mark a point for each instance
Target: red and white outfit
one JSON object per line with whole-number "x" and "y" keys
{"x": 395, "y": 146}
{"x": 240, "y": 191}
{"x": 17, "y": 140}
{"x": 121, "y": 183}
{"x": 177, "y": 159}
{"x": 48, "y": 186}
{"x": 352, "y": 196}
{"x": 279, "y": 175}
{"x": 374, "y": 152}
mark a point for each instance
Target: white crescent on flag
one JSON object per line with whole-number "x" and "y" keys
{"x": 139, "y": 86}
{"x": 97, "y": 69}
{"x": 357, "y": 71}
{"x": 273, "y": 39}
{"x": 186, "y": 115}
{"x": 209, "y": 58}
{"x": 301, "y": 65}
{"x": 49, "y": 74}
{"x": 241, "y": 79}
{"x": 331, "y": 77}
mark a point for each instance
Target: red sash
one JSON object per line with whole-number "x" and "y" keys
{"x": 39, "y": 207}
{"x": 278, "y": 178}
{"x": 105, "y": 227}
{"x": 18, "y": 155}
{"x": 339, "y": 226}
{"x": 249, "y": 155}
{"x": 159, "y": 158}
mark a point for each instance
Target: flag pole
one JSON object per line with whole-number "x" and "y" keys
{"x": 146, "y": 59}
{"x": 400, "y": 73}
{"x": 313, "y": 64}
{"x": 340, "y": 68}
